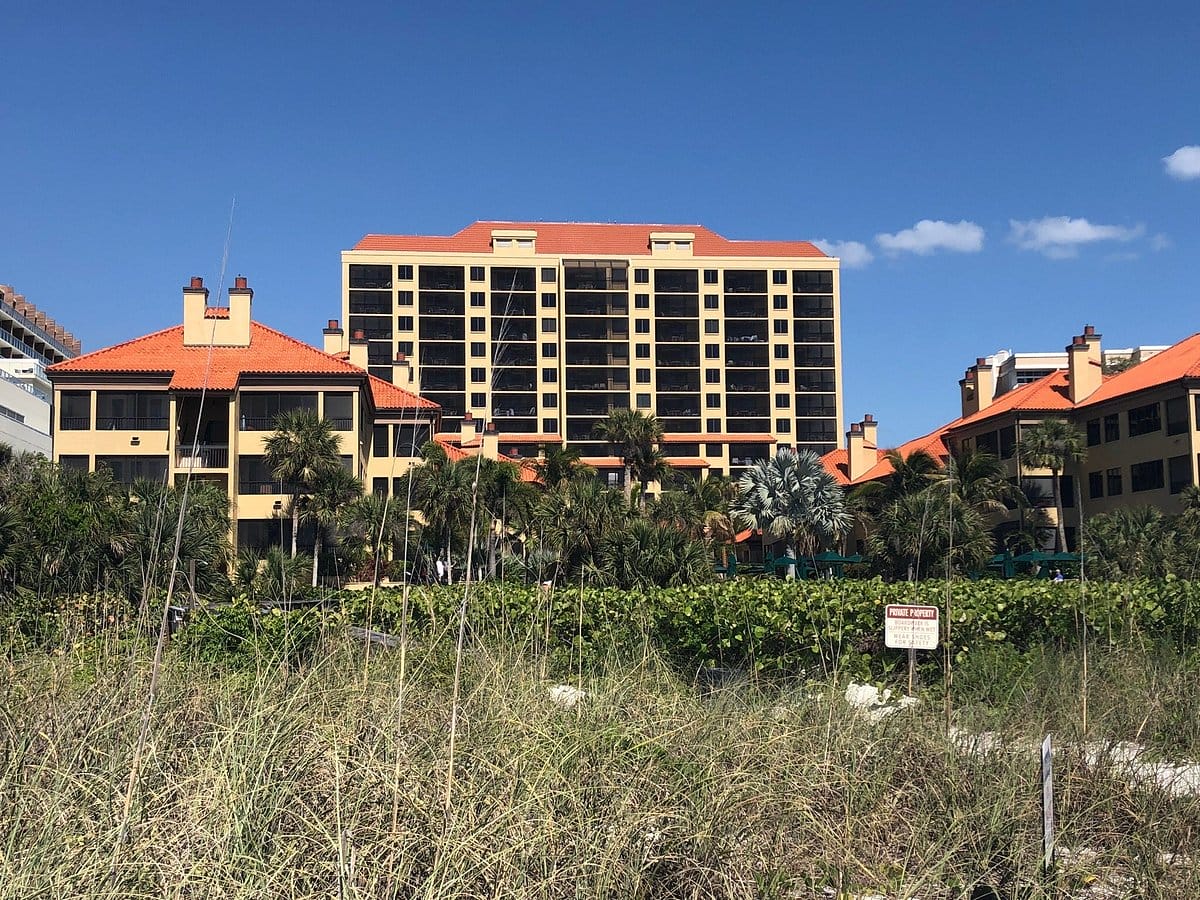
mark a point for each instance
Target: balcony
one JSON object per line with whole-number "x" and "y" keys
{"x": 514, "y": 355}
{"x": 746, "y": 307}
{"x": 597, "y": 304}
{"x": 749, "y": 282}
{"x": 595, "y": 275}
{"x": 681, "y": 426}
{"x": 514, "y": 330}
{"x": 747, "y": 383}
{"x": 131, "y": 423}
{"x": 442, "y": 329}
{"x": 518, "y": 305}
{"x": 516, "y": 381}
{"x": 438, "y": 304}
{"x": 740, "y": 356}
{"x": 741, "y": 407}
{"x": 677, "y": 332}
{"x": 685, "y": 307}
{"x": 676, "y": 281}
{"x": 595, "y": 404}
{"x": 678, "y": 357}
{"x": 597, "y": 380}
{"x": 687, "y": 405}
{"x": 745, "y": 332}
{"x": 436, "y": 380}
{"x": 597, "y": 354}
{"x": 597, "y": 330}
{"x": 205, "y": 456}
{"x": 678, "y": 381}
{"x": 442, "y": 278}
{"x": 451, "y": 357}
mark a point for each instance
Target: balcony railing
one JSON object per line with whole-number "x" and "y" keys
{"x": 75, "y": 423}
{"x": 258, "y": 423}
{"x": 206, "y": 456}
{"x": 264, "y": 487}
{"x": 131, "y": 423}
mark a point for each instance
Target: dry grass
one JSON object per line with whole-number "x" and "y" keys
{"x": 283, "y": 783}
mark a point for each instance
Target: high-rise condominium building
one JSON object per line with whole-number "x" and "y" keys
{"x": 29, "y": 341}
{"x": 540, "y": 329}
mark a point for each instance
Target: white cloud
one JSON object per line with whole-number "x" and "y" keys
{"x": 853, "y": 254}
{"x": 928, "y": 236}
{"x": 1184, "y": 163}
{"x": 1161, "y": 242}
{"x": 1060, "y": 237}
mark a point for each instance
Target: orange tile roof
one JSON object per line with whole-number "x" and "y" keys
{"x": 270, "y": 352}
{"x": 687, "y": 462}
{"x": 588, "y": 239}
{"x": 506, "y": 438}
{"x": 680, "y": 438}
{"x": 455, "y": 453}
{"x": 837, "y": 462}
{"x": 1181, "y": 360}
{"x": 603, "y": 462}
{"x": 387, "y": 396}
{"x": 1050, "y": 393}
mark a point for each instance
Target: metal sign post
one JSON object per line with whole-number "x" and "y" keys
{"x": 911, "y": 628}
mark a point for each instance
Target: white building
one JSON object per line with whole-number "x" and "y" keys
{"x": 29, "y": 341}
{"x": 1011, "y": 369}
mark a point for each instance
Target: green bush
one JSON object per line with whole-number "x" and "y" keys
{"x": 799, "y": 628}
{"x": 243, "y": 635}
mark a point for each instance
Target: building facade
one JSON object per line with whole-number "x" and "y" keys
{"x": 202, "y": 397}
{"x": 540, "y": 329}
{"x": 1141, "y": 428}
{"x": 29, "y": 342}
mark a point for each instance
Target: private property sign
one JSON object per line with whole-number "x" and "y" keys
{"x": 911, "y": 627}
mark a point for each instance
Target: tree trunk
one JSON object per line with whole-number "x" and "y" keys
{"x": 295, "y": 523}
{"x": 316, "y": 554}
{"x": 1061, "y": 536}
{"x": 791, "y": 571}
{"x": 628, "y": 484}
{"x": 645, "y": 485}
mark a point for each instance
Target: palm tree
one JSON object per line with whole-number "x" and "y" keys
{"x": 914, "y": 534}
{"x": 1053, "y": 444}
{"x": 793, "y": 497}
{"x": 1135, "y": 542}
{"x": 979, "y": 479}
{"x": 373, "y": 529}
{"x": 300, "y": 452}
{"x": 573, "y": 522}
{"x": 647, "y": 554}
{"x": 634, "y": 436}
{"x": 560, "y": 464}
{"x": 335, "y": 489}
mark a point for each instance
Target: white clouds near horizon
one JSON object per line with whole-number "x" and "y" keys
{"x": 1060, "y": 237}
{"x": 929, "y": 235}
{"x": 853, "y": 254}
{"x": 1184, "y": 163}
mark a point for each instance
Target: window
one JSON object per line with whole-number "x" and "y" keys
{"x": 1146, "y": 476}
{"x": 1179, "y": 473}
{"x": 549, "y": 350}
{"x": 1093, "y": 432}
{"x": 712, "y": 401}
{"x": 339, "y": 410}
{"x": 404, "y": 323}
{"x": 712, "y": 326}
{"x": 643, "y": 401}
{"x": 549, "y": 301}
{"x": 711, "y": 276}
{"x": 550, "y": 400}
{"x": 479, "y": 400}
{"x": 379, "y": 487}
{"x": 404, "y": 298}
{"x": 128, "y": 469}
{"x": 549, "y": 325}
{"x": 478, "y": 375}
{"x": 477, "y": 273}
{"x": 641, "y": 276}
{"x": 712, "y": 426}
{"x": 260, "y": 410}
{"x": 1112, "y": 430}
{"x": 782, "y": 351}
{"x": 816, "y": 282}
{"x": 478, "y": 348}
{"x": 780, "y": 301}
{"x": 76, "y": 412}
{"x": 642, "y": 351}
{"x": 783, "y": 426}
{"x": 380, "y": 441}
{"x": 712, "y": 376}
{"x": 781, "y": 326}
{"x": 478, "y": 298}
{"x": 549, "y": 426}
{"x": 138, "y": 410}
{"x": 74, "y": 463}
{"x": 641, "y": 326}
{"x": 379, "y": 277}
{"x": 712, "y": 301}
{"x": 712, "y": 351}
{"x": 1095, "y": 485}
{"x": 1177, "y": 415}
{"x": 782, "y": 401}
{"x": 404, "y": 273}
{"x": 779, "y": 277}
{"x": 1113, "y": 479}
{"x": 550, "y": 375}
{"x": 550, "y": 274}
{"x": 1008, "y": 441}
{"x": 1143, "y": 420}
{"x": 641, "y": 301}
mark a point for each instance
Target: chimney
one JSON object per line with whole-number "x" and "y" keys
{"x": 334, "y": 337}
{"x": 977, "y": 387}
{"x": 1084, "y": 371}
{"x": 466, "y": 431}
{"x": 859, "y": 457}
{"x": 491, "y": 441}
{"x": 195, "y": 302}
{"x": 870, "y": 429}
{"x": 238, "y": 332}
{"x": 358, "y": 349}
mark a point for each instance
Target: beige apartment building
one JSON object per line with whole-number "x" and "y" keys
{"x": 1141, "y": 427}
{"x": 539, "y": 329}
{"x": 203, "y": 396}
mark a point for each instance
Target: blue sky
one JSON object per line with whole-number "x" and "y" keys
{"x": 127, "y": 129}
